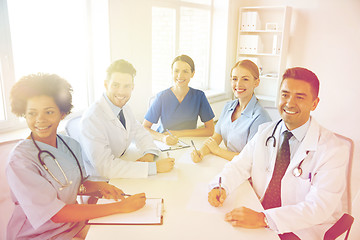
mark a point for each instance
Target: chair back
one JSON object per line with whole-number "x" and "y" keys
{"x": 346, "y": 199}
{"x": 341, "y": 226}
{"x": 355, "y": 230}
{"x": 72, "y": 128}
{"x": 6, "y": 204}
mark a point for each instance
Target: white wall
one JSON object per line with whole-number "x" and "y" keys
{"x": 133, "y": 45}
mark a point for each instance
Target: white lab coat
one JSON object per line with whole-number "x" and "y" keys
{"x": 104, "y": 139}
{"x": 309, "y": 206}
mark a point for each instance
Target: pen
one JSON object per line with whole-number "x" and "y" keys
{"x": 219, "y": 188}
{"x": 126, "y": 195}
{"x": 170, "y": 133}
{"x": 192, "y": 143}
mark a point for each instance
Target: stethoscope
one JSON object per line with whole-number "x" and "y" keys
{"x": 67, "y": 182}
{"x": 297, "y": 171}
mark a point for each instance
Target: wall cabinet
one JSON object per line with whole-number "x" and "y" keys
{"x": 263, "y": 37}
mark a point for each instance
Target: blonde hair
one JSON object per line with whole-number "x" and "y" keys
{"x": 249, "y": 65}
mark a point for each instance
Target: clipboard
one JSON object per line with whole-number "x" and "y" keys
{"x": 150, "y": 214}
{"x": 164, "y": 147}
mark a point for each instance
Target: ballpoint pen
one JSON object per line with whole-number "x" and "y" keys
{"x": 167, "y": 130}
{"x": 192, "y": 143}
{"x": 219, "y": 188}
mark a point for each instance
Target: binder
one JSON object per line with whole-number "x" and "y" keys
{"x": 150, "y": 214}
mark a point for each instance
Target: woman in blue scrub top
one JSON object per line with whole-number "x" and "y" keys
{"x": 178, "y": 107}
{"x": 45, "y": 172}
{"x": 240, "y": 118}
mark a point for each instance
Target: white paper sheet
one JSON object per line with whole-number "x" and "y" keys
{"x": 150, "y": 214}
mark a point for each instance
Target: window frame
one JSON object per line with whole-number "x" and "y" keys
{"x": 211, "y": 92}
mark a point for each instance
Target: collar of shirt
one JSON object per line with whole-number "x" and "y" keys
{"x": 298, "y": 135}
{"x": 116, "y": 110}
{"x": 249, "y": 110}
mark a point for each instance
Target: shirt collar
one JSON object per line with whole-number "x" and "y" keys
{"x": 249, "y": 110}
{"x": 299, "y": 133}
{"x": 115, "y": 109}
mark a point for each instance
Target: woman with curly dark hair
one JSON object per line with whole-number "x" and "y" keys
{"x": 45, "y": 171}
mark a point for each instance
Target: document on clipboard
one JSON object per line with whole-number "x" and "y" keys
{"x": 150, "y": 214}
{"x": 164, "y": 147}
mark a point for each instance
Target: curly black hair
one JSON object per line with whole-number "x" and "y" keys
{"x": 41, "y": 84}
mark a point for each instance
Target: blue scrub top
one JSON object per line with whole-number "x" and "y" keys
{"x": 236, "y": 134}
{"x": 178, "y": 116}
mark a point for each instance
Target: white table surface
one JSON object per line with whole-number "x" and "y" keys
{"x": 188, "y": 214}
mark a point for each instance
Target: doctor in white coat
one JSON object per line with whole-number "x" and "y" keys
{"x": 104, "y": 138}
{"x": 314, "y": 181}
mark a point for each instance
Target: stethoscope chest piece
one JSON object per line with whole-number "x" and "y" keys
{"x": 297, "y": 171}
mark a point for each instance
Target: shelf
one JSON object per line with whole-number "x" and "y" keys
{"x": 266, "y": 48}
{"x": 260, "y": 54}
{"x": 260, "y": 31}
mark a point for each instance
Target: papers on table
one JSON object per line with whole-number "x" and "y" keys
{"x": 164, "y": 147}
{"x": 150, "y": 214}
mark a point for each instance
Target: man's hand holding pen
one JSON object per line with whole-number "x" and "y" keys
{"x": 217, "y": 195}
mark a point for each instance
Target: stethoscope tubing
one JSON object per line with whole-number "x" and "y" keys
{"x": 297, "y": 171}
{"x": 52, "y": 156}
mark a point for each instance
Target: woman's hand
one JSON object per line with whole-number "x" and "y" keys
{"x": 169, "y": 140}
{"x": 212, "y": 145}
{"x": 109, "y": 191}
{"x": 132, "y": 203}
{"x": 196, "y": 156}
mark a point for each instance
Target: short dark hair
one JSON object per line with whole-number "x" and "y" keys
{"x": 303, "y": 74}
{"x": 41, "y": 84}
{"x": 122, "y": 66}
{"x": 184, "y": 58}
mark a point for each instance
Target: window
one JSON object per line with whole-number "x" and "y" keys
{"x": 60, "y": 37}
{"x": 187, "y": 27}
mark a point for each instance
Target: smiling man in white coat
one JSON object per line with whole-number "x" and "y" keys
{"x": 297, "y": 168}
{"x": 109, "y": 126}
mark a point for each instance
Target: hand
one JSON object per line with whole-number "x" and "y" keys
{"x": 246, "y": 218}
{"x": 109, "y": 191}
{"x": 170, "y": 140}
{"x": 165, "y": 165}
{"x": 214, "y": 197}
{"x": 146, "y": 158}
{"x": 212, "y": 145}
{"x": 196, "y": 157}
{"x": 132, "y": 203}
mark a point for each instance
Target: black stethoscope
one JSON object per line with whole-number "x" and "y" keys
{"x": 67, "y": 182}
{"x": 297, "y": 171}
